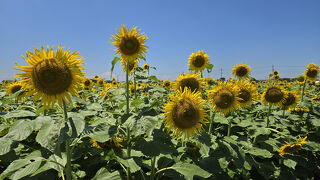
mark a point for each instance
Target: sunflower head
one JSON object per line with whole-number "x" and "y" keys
{"x": 224, "y": 97}
{"x": 184, "y": 113}
{"x": 246, "y": 93}
{"x": 270, "y": 75}
{"x": 277, "y": 77}
{"x": 274, "y": 95}
{"x": 190, "y": 81}
{"x": 300, "y": 79}
{"x": 312, "y": 71}
{"x": 86, "y": 82}
{"x": 96, "y": 77}
{"x": 52, "y": 75}
{"x": 132, "y": 65}
{"x": 130, "y": 44}
{"x": 100, "y": 82}
{"x": 293, "y": 147}
{"x": 145, "y": 67}
{"x": 275, "y": 72}
{"x": 166, "y": 84}
{"x": 15, "y": 87}
{"x": 198, "y": 61}
{"x": 241, "y": 71}
{"x": 291, "y": 100}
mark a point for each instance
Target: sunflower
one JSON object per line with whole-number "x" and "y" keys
{"x": 114, "y": 83}
{"x": 270, "y": 75}
{"x": 86, "y": 83}
{"x": 290, "y": 101}
{"x": 112, "y": 143}
{"x": 315, "y": 99}
{"x": 312, "y": 71}
{"x": 166, "y": 84}
{"x": 52, "y": 75}
{"x": 224, "y": 97}
{"x": 96, "y": 77}
{"x": 145, "y": 67}
{"x": 129, "y": 43}
{"x": 190, "y": 81}
{"x": 132, "y": 65}
{"x": 246, "y": 93}
{"x": 274, "y": 95}
{"x": 241, "y": 71}
{"x": 290, "y": 148}
{"x": 100, "y": 82}
{"x": 185, "y": 113}
{"x": 300, "y": 79}
{"x": 198, "y": 61}
{"x": 13, "y": 88}
{"x": 277, "y": 77}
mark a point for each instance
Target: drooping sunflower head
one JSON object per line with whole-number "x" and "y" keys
{"x": 224, "y": 97}
{"x": 274, "y": 95}
{"x": 130, "y": 44}
{"x": 100, "y": 82}
{"x": 145, "y": 67}
{"x": 198, "y": 61}
{"x": 247, "y": 93}
{"x": 185, "y": 114}
{"x": 190, "y": 81}
{"x": 292, "y": 147}
{"x": 241, "y": 71}
{"x": 52, "y": 75}
{"x": 132, "y": 65}
{"x": 290, "y": 101}
{"x": 312, "y": 71}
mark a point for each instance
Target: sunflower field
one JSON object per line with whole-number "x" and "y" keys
{"x": 56, "y": 123}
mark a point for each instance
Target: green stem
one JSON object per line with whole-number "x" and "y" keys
{"x": 229, "y": 128}
{"x": 304, "y": 85}
{"x": 283, "y": 112}
{"x": 268, "y": 120}
{"x": 134, "y": 84}
{"x": 127, "y": 89}
{"x": 68, "y": 165}
{"x": 211, "y": 121}
{"x": 153, "y": 162}
{"x": 128, "y": 152}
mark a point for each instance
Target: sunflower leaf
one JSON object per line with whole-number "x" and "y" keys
{"x": 209, "y": 67}
{"x": 113, "y": 62}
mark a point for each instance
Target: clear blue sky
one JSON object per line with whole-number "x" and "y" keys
{"x": 262, "y": 33}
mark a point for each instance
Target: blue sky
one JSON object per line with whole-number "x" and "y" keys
{"x": 262, "y": 33}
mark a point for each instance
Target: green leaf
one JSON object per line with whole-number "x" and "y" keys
{"x": 53, "y": 163}
{"x": 260, "y": 152}
{"x": 48, "y": 135}
{"x": 136, "y": 102}
{"x": 103, "y": 133}
{"x": 20, "y": 130}
{"x": 113, "y": 62}
{"x": 315, "y": 121}
{"x": 154, "y": 78}
{"x": 290, "y": 163}
{"x": 209, "y": 67}
{"x": 129, "y": 163}
{"x": 144, "y": 125}
{"x": 190, "y": 170}
{"x": 94, "y": 106}
{"x": 28, "y": 170}
{"x": 104, "y": 174}
{"x": 5, "y": 146}
{"x": 153, "y": 68}
{"x": 19, "y": 114}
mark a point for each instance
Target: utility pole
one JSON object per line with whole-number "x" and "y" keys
{"x": 221, "y": 73}
{"x": 272, "y": 67}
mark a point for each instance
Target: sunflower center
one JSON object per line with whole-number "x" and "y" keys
{"x": 185, "y": 114}
{"x": 51, "y": 76}
{"x": 129, "y": 46}
{"x": 245, "y": 95}
{"x": 87, "y": 83}
{"x": 224, "y": 99}
{"x": 312, "y": 72}
{"x": 100, "y": 82}
{"x": 241, "y": 71}
{"x": 290, "y": 100}
{"x": 274, "y": 95}
{"x": 191, "y": 83}
{"x": 198, "y": 62}
{"x": 300, "y": 79}
{"x": 15, "y": 89}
